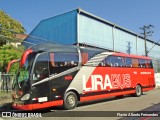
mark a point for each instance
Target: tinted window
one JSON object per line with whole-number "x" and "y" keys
{"x": 60, "y": 62}
{"x": 143, "y": 63}
{"x": 114, "y": 61}
{"x": 135, "y": 62}
{"x": 150, "y": 65}
{"x": 128, "y": 62}
{"x": 41, "y": 67}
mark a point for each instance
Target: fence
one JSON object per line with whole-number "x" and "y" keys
{"x": 6, "y": 81}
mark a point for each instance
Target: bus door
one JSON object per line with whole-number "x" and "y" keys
{"x": 40, "y": 80}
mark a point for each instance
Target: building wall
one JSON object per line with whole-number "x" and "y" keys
{"x": 97, "y": 33}
{"x": 124, "y": 42}
{"x": 92, "y": 32}
{"x": 101, "y": 34}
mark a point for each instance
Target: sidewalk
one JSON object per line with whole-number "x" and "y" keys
{"x": 5, "y": 97}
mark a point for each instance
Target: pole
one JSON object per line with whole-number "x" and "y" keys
{"x": 146, "y": 32}
{"x": 145, "y": 45}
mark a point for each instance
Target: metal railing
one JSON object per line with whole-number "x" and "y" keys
{"x": 6, "y": 81}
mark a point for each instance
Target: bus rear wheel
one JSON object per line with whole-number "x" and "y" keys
{"x": 70, "y": 100}
{"x": 138, "y": 92}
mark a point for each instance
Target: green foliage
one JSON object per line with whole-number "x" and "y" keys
{"x": 8, "y": 28}
{"x": 8, "y": 53}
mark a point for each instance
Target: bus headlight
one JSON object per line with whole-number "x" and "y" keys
{"x": 25, "y": 97}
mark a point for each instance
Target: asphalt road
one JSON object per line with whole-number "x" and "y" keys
{"x": 111, "y": 109}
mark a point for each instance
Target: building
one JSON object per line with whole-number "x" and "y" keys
{"x": 21, "y": 37}
{"x": 81, "y": 27}
{"x": 18, "y": 39}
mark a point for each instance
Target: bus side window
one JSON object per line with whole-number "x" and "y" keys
{"x": 119, "y": 61}
{"x": 128, "y": 62}
{"x": 135, "y": 62}
{"x": 142, "y": 63}
{"x": 150, "y": 65}
{"x": 108, "y": 61}
{"x": 41, "y": 67}
{"x": 60, "y": 62}
{"x": 114, "y": 61}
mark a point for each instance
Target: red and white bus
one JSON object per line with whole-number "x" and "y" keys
{"x": 55, "y": 75}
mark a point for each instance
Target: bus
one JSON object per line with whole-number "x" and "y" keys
{"x": 56, "y": 75}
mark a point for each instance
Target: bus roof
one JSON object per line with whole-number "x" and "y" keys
{"x": 127, "y": 55}
{"x": 50, "y": 47}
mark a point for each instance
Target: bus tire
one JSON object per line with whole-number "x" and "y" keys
{"x": 138, "y": 92}
{"x": 70, "y": 100}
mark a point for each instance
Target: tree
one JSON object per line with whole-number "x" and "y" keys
{"x": 8, "y": 53}
{"x": 8, "y": 28}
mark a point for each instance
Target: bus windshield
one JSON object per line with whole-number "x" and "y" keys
{"x": 24, "y": 71}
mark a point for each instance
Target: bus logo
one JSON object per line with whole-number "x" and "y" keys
{"x": 97, "y": 82}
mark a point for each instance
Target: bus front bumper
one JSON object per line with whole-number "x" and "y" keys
{"x": 37, "y": 106}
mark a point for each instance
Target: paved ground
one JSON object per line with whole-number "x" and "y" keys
{"x": 5, "y": 97}
{"x": 110, "y": 108}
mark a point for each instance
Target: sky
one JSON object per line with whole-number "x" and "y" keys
{"x": 129, "y": 14}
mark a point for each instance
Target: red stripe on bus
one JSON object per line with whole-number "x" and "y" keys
{"x": 102, "y": 96}
{"x": 147, "y": 89}
{"x": 38, "y": 105}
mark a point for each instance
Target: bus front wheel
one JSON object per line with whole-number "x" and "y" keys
{"x": 70, "y": 100}
{"x": 138, "y": 91}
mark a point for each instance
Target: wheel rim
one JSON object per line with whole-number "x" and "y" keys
{"x": 71, "y": 100}
{"x": 138, "y": 90}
